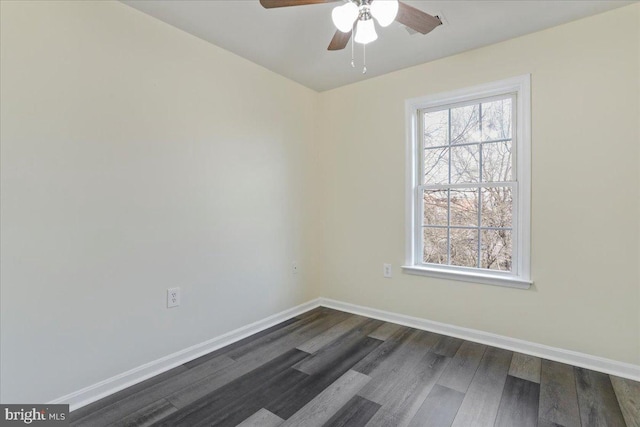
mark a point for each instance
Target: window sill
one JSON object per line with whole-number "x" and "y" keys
{"x": 486, "y": 279}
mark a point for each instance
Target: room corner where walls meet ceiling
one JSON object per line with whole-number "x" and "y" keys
{"x": 292, "y": 41}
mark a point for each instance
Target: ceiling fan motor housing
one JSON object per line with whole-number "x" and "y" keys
{"x": 362, "y": 14}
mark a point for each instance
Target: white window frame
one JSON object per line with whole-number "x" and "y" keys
{"x": 520, "y": 276}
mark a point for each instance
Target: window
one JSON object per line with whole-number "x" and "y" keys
{"x": 468, "y": 190}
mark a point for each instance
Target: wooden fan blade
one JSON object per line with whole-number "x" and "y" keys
{"x": 268, "y": 4}
{"x": 339, "y": 40}
{"x": 416, "y": 19}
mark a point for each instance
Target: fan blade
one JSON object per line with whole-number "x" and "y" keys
{"x": 268, "y": 4}
{"x": 416, "y": 19}
{"x": 339, "y": 40}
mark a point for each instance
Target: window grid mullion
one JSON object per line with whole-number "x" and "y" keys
{"x": 449, "y": 192}
{"x": 510, "y": 184}
{"x": 480, "y": 168}
{"x": 468, "y": 227}
{"x": 464, "y": 144}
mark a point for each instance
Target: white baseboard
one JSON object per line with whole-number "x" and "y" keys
{"x": 595, "y": 363}
{"x": 126, "y": 379}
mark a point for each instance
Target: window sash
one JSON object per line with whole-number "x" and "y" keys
{"x": 420, "y": 225}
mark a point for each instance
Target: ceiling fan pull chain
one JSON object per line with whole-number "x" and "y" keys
{"x": 364, "y": 59}
{"x": 353, "y": 31}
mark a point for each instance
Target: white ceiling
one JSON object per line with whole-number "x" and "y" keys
{"x": 292, "y": 41}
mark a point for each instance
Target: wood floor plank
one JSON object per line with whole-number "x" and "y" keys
{"x": 245, "y": 341}
{"x": 519, "y": 403}
{"x": 405, "y": 346}
{"x": 628, "y": 394}
{"x": 385, "y": 331}
{"x": 403, "y": 372}
{"x": 318, "y": 310}
{"x": 525, "y": 367}
{"x": 356, "y": 413}
{"x": 403, "y": 394}
{"x": 91, "y": 408}
{"x": 545, "y": 423}
{"x": 290, "y": 336}
{"x": 262, "y": 418}
{"x": 148, "y": 415}
{"x": 320, "y": 410}
{"x": 463, "y": 366}
{"x": 158, "y": 390}
{"x": 342, "y": 359}
{"x": 447, "y": 346}
{"x": 558, "y": 396}
{"x": 481, "y": 402}
{"x": 200, "y": 388}
{"x": 597, "y": 400}
{"x": 317, "y": 342}
{"x": 323, "y": 358}
{"x": 384, "y": 351}
{"x": 439, "y": 408}
{"x": 236, "y": 401}
{"x": 403, "y": 362}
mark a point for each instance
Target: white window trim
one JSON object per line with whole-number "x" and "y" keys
{"x": 521, "y": 277}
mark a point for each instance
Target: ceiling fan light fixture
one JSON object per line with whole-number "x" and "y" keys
{"x": 365, "y": 31}
{"x": 344, "y": 16}
{"x": 385, "y": 11}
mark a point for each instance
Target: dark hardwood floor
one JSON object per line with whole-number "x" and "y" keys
{"x": 329, "y": 368}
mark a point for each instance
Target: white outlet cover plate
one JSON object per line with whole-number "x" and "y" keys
{"x": 386, "y": 270}
{"x": 173, "y": 297}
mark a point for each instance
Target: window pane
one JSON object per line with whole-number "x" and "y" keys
{"x": 465, "y": 163}
{"x": 464, "y": 207}
{"x": 496, "y": 249}
{"x": 496, "y": 120}
{"x": 465, "y": 124}
{"x": 436, "y": 128}
{"x": 497, "y": 207}
{"x": 464, "y": 247}
{"x": 436, "y": 166}
{"x": 497, "y": 161}
{"x": 436, "y": 207}
{"x": 435, "y": 245}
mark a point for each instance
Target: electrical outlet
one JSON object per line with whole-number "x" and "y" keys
{"x": 173, "y": 297}
{"x": 294, "y": 268}
{"x": 386, "y": 270}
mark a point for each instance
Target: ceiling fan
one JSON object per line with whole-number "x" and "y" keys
{"x": 359, "y": 14}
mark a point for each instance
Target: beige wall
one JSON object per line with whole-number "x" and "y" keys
{"x": 638, "y": 121}
{"x": 135, "y": 158}
{"x": 585, "y": 205}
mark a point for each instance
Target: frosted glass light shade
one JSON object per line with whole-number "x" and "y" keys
{"x": 343, "y": 16}
{"x": 365, "y": 32}
{"x": 384, "y": 11}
